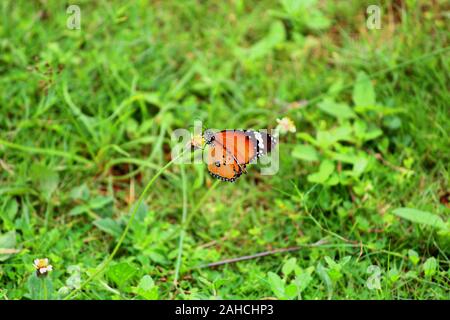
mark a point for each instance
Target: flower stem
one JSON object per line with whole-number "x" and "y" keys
{"x": 105, "y": 264}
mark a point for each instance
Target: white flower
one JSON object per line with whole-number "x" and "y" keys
{"x": 286, "y": 125}
{"x": 197, "y": 141}
{"x": 42, "y": 266}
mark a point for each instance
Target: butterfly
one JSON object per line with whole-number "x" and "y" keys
{"x": 229, "y": 151}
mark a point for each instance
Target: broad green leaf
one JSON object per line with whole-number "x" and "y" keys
{"x": 325, "y": 170}
{"x": 141, "y": 212}
{"x": 46, "y": 178}
{"x": 93, "y": 204}
{"x": 291, "y": 291}
{"x": 335, "y": 109}
{"x": 324, "y": 139}
{"x": 7, "y": 242}
{"x": 276, "y": 35}
{"x": 393, "y": 275}
{"x": 305, "y": 152}
{"x": 11, "y": 209}
{"x": 40, "y": 288}
{"x": 342, "y": 133}
{"x": 430, "y": 267}
{"x": 322, "y": 272}
{"x": 147, "y": 289}
{"x": 293, "y": 7}
{"x": 109, "y": 226}
{"x": 331, "y": 263}
{"x": 289, "y": 266}
{"x": 121, "y": 273}
{"x": 421, "y": 217}
{"x": 277, "y": 285}
{"x": 82, "y": 208}
{"x": 372, "y": 134}
{"x": 363, "y": 91}
{"x": 157, "y": 256}
{"x": 302, "y": 281}
{"x": 100, "y": 202}
{"x": 360, "y": 165}
{"x": 413, "y": 257}
{"x": 316, "y": 20}
{"x": 392, "y": 122}
{"x": 79, "y": 192}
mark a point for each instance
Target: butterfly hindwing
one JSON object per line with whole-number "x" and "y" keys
{"x": 222, "y": 165}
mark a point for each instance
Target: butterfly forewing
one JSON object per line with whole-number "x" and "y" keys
{"x": 237, "y": 143}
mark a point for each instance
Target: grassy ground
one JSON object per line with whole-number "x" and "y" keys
{"x": 85, "y": 123}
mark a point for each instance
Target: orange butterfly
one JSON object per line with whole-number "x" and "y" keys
{"x": 231, "y": 150}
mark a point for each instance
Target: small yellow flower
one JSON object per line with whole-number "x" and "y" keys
{"x": 197, "y": 141}
{"x": 286, "y": 125}
{"x": 42, "y": 266}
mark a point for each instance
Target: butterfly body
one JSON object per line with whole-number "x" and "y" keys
{"x": 231, "y": 150}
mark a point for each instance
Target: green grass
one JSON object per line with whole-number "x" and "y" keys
{"x": 85, "y": 123}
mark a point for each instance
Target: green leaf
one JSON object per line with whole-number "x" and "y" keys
{"x": 302, "y": 281}
{"x": 392, "y": 122}
{"x": 372, "y": 134}
{"x": 109, "y": 226}
{"x": 305, "y": 152}
{"x": 147, "y": 289}
{"x": 276, "y": 35}
{"x": 325, "y": 170}
{"x": 40, "y": 288}
{"x": 276, "y": 284}
{"x": 291, "y": 291}
{"x": 363, "y": 91}
{"x": 331, "y": 263}
{"x": 121, "y": 273}
{"x": 413, "y": 257}
{"x": 11, "y": 209}
{"x": 316, "y": 20}
{"x": 289, "y": 266}
{"x": 421, "y": 217}
{"x": 157, "y": 256}
{"x": 100, "y": 202}
{"x": 46, "y": 178}
{"x": 335, "y": 109}
{"x": 7, "y": 241}
{"x": 80, "y": 192}
{"x": 292, "y": 7}
{"x": 393, "y": 275}
{"x": 430, "y": 267}
{"x": 323, "y": 274}
{"x": 360, "y": 165}
{"x": 82, "y": 208}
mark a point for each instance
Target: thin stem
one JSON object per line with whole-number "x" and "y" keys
{"x": 199, "y": 203}
{"x": 263, "y": 254}
{"x": 183, "y": 230}
{"x": 105, "y": 264}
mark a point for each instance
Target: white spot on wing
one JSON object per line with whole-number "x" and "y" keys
{"x": 260, "y": 141}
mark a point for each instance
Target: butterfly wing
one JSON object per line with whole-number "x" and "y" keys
{"x": 246, "y": 145}
{"x": 222, "y": 164}
{"x": 231, "y": 150}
